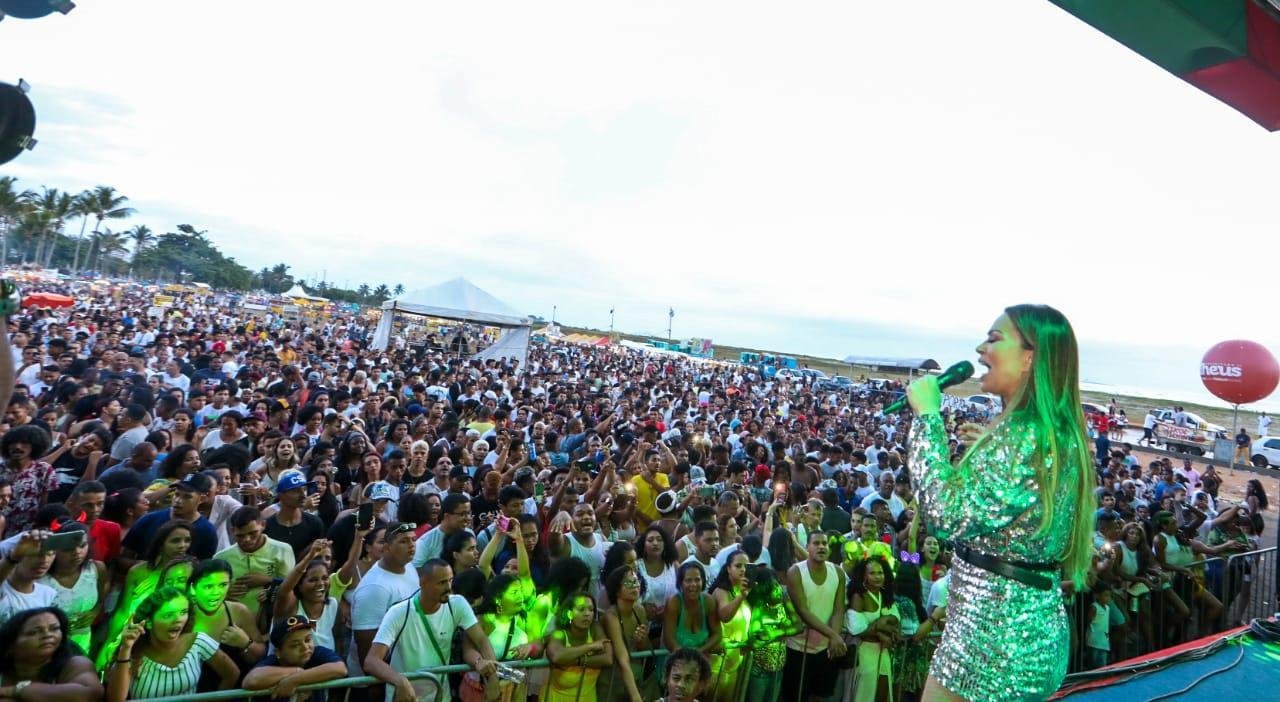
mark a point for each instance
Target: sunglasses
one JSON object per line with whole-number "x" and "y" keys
{"x": 402, "y": 528}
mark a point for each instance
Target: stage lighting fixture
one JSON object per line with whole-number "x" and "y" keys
{"x": 34, "y": 9}
{"x": 17, "y": 121}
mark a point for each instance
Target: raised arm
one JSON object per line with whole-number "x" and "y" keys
{"x": 621, "y": 656}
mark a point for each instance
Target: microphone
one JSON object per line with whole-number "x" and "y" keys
{"x": 954, "y": 375}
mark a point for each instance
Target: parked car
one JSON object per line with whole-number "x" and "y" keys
{"x": 1092, "y": 408}
{"x": 790, "y": 375}
{"x": 1266, "y": 452}
{"x": 989, "y": 403}
{"x": 837, "y": 383}
{"x": 814, "y": 374}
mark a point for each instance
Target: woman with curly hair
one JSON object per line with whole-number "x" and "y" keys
{"x": 32, "y": 478}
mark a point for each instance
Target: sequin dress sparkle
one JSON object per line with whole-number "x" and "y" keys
{"x": 1003, "y": 640}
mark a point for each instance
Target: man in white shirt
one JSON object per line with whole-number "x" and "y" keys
{"x": 389, "y": 581}
{"x": 706, "y": 541}
{"x": 885, "y": 492}
{"x": 418, "y": 632}
{"x": 1264, "y": 423}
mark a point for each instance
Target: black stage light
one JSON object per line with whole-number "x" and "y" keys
{"x": 33, "y": 9}
{"x": 17, "y": 121}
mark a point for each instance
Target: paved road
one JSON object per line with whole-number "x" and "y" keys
{"x": 1133, "y": 436}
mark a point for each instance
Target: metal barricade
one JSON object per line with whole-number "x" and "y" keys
{"x": 1242, "y": 585}
{"x": 1249, "y": 587}
{"x": 437, "y": 674}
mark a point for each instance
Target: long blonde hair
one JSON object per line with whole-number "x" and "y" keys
{"x": 1048, "y": 401}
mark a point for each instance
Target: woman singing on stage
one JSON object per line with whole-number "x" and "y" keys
{"x": 1017, "y": 508}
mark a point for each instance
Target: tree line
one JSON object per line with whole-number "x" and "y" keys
{"x": 34, "y": 232}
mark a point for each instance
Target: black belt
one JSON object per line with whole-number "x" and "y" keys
{"x": 1030, "y": 574}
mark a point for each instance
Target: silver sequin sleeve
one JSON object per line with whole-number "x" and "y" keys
{"x": 978, "y": 497}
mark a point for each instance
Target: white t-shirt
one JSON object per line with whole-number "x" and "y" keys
{"x": 711, "y": 571}
{"x": 405, "y": 627}
{"x": 12, "y": 601}
{"x": 377, "y": 591}
{"x": 938, "y": 594}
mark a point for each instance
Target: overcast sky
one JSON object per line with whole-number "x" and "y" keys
{"x": 761, "y": 168}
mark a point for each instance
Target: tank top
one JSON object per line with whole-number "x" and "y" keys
{"x": 689, "y": 547}
{"x": 822, "y": 603}
{"x": 324, "y": 624}
{"x": 1175, "y": 554}
{"x": 691, "y": 639}
{"x": 76, "y": 600}
{"x": 659, "y": 588}
{"x": 1129, "y": 560}
{"x": 593, "y": 556}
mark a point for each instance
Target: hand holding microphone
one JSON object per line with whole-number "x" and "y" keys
{"x": 925, "y": 394}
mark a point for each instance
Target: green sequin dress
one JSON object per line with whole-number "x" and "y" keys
{"x": 1003, "y": 640}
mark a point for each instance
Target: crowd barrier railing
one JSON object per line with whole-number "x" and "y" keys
{"x": 1243, "y": 584}
{"x": 435, "y": 674}
{"x": 1250, "y": 586}
{"x": 435, "y": 677}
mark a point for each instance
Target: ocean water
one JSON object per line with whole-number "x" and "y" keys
{"x": 1167, "y": 372}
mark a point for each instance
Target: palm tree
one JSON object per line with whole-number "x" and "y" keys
{"x": 35, "y": 222}
{"x": 142, "y": 238}
{"x": 398, "y": 291}
{"x": 363, "y": 291}
{"x": 81, "y": 209}
{"x": 58, "y": 206}
{"x": 111, "y": 247}
{"x": 103, "y": 203}
{"x": 13, "y": 205}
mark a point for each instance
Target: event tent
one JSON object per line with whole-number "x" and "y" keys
{"x": 899, "y": 364}
{"x": 297, "y": 293}
{"x": 458, "y": 299}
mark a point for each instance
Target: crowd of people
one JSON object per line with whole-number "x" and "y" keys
{"x": 204, "y": 500}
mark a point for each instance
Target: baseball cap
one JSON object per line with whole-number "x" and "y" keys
{"x": 196, "y": 482}
{"x": 380, "y": 490}
{"x": 762, "y": 471}
{"x": 290, "y": 480}
{"x": 284, "y": 627}
{"x": 313, "y": 376}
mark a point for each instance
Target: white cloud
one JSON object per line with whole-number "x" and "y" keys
{"x": 918, "y": 163}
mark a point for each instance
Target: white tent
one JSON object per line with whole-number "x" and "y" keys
{"x": 459, "y": 299}
{"x": 297, "y": 293}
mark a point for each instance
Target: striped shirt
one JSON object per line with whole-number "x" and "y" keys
{"x": 152, "y": 679}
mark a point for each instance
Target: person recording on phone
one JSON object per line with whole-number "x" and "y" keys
{"x": 20, "y": 570}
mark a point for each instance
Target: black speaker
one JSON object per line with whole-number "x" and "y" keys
{"x": 34, "y": 9}
{"x": 17, "y": 121}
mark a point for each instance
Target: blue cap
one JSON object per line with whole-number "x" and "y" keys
{"x": 290, "y": 480}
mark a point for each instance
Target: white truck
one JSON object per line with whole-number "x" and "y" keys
{"x": 1196, "y": 437}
